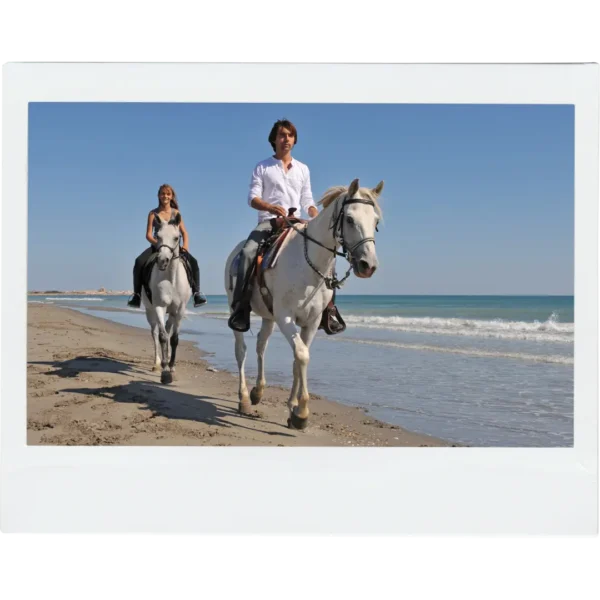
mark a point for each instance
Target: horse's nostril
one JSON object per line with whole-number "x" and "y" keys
{"x": 363, "y": 265}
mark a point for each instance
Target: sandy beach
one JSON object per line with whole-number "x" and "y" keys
{"x": 89, "y": 382}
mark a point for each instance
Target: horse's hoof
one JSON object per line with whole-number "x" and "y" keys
{"x": 166, "y": 377}
{"x": 244, "y": 408}
{"x": 255, "y": 396}
{"x": 295, "y": 422}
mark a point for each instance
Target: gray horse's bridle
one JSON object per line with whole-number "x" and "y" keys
{"x": 337, "y": 223}
{"x": 169, "y": 248}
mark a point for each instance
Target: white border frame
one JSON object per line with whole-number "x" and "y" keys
{"x": 299, "y": 490}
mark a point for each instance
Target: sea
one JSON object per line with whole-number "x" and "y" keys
{"x": 474, "y": 370}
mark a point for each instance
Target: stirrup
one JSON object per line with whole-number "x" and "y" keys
{"x": 331, "y": 321}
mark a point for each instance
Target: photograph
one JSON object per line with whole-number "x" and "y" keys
{"x": 300, "y": 274}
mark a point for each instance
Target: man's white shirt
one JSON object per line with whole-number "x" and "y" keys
{"x": 290, "y": 189}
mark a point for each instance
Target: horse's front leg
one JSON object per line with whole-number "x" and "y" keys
{"x": 298, "y": 418}
{"x": 152, "y": 318}
{"x": 172, "y": 327}
{"x": 240, "y": 355}
{"x": 163, "y": 338}
{"x": 307, "y": 334}
{"x": 261, "y": 345}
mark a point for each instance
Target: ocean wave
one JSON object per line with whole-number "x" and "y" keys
{"x": 550, "y": 330}
{"x": 546, "y": 358}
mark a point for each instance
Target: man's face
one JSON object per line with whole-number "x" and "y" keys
{"x": 284, "y": 140}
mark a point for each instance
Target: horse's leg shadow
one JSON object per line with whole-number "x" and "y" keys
{"x": 261, "y": 345}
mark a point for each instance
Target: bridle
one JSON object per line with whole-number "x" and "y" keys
{"x": 157, "y": 249}
{"x": 337, "y": 225}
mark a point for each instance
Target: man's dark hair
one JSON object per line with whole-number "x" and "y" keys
{"x": 275, "y": 130}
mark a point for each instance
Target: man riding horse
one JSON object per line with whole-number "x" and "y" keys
{"x": 278, "y": 183}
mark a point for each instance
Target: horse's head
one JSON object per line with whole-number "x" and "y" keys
{"x": 358, "y": 214}
{"x": 168, "y": 241}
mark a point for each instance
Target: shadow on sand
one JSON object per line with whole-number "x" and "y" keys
{"x": 160, "y": 399}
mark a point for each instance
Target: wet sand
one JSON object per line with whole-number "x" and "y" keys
{"x": 89, "y": 382}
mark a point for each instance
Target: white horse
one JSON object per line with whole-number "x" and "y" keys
{"x": 300, "y": 285}
{"x": 171, "y": 291}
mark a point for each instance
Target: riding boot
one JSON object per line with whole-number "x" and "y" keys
{"x": 240, "y": 316}
{"x": 199, "y": 299}
{"x": 136, "y": 298}
{"x": 240, "y": 305}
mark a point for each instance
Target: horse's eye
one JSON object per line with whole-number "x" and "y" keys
{"x": 350, "y": 220}
{"x": 175, "y": 239}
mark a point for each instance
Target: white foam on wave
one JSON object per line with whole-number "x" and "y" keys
{"x": 550, "y": 330}
{"x": 547, "y": 358}
{"x": 547, "y": 331}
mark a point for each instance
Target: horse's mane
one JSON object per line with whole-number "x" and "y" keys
{"x": 333, "y": 193}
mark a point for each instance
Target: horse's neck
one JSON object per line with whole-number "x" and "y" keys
{"x": 319, "y": 230}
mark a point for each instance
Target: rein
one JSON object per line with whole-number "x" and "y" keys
{"x": 337, "y": 222}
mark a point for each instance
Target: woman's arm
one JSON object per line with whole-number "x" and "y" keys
{"x": 149, "y": 237}
{"x": 184, "y": 235}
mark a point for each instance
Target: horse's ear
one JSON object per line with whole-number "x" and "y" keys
{"x": 177, "y": 219}
{"x": 377, "y": 189}
{"x": 158, "y": 220}
{"x": 353, "y": 188}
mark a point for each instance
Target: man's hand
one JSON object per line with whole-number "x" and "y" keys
{"x": 278, "y": 210}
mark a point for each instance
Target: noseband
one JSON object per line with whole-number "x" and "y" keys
{"x": 168, "y": 248}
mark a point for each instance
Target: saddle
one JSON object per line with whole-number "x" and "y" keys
{"x": 266, "y": 258}
{"x": 268, "y": 251}
{"x": 147, "y": 271}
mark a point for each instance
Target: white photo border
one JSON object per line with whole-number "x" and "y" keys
{"x": 299, "y": 490}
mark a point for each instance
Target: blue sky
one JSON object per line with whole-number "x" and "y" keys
{"x": 478, "y": 199}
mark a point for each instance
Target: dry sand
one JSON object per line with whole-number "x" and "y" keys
{"x": 89, "y": 382}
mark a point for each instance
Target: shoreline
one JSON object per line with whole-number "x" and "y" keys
{"x": 90, "y": 383}
{"x": 101, "y": 292}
